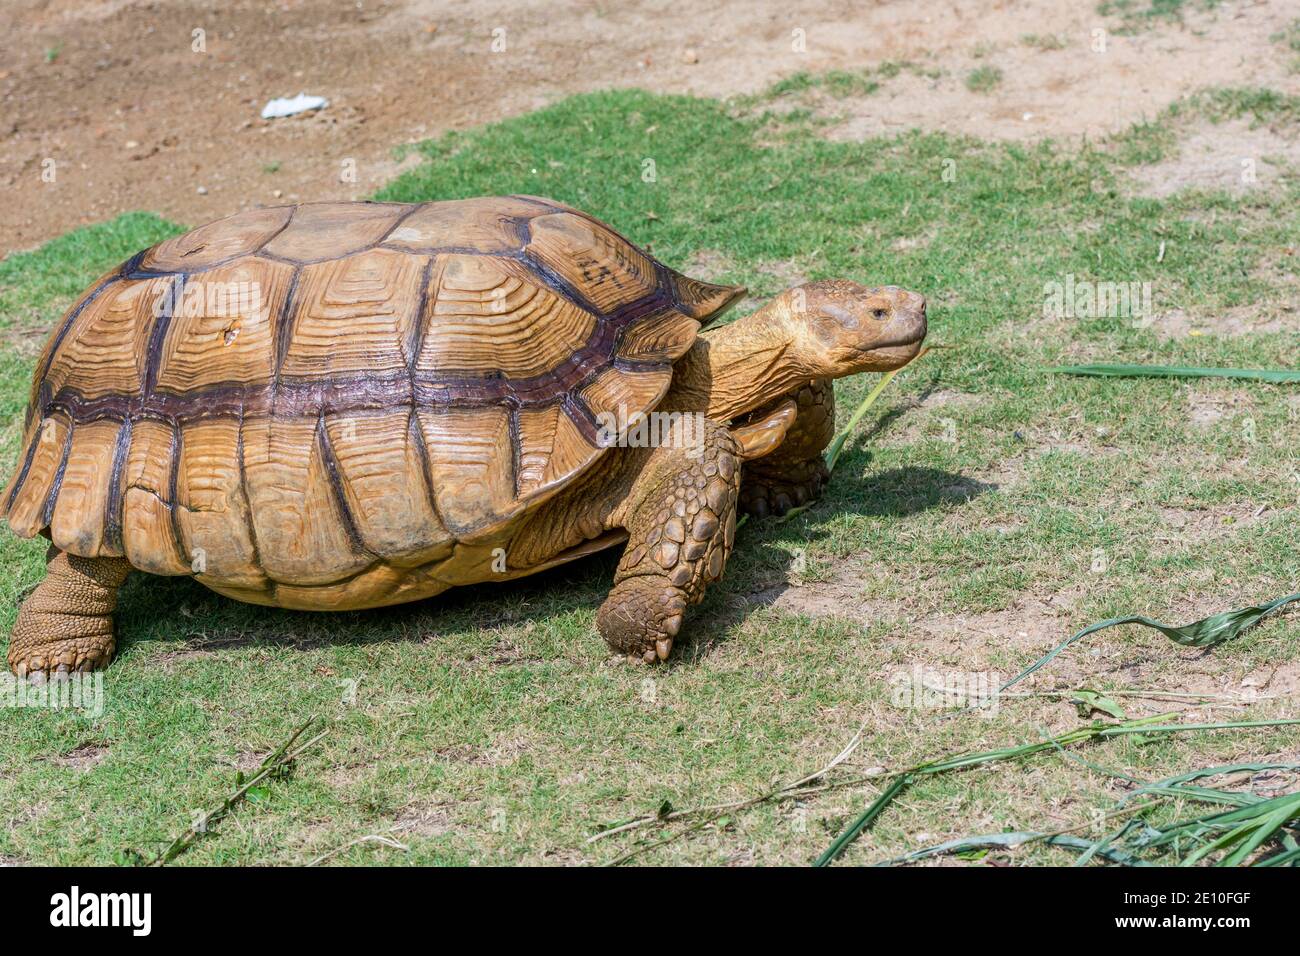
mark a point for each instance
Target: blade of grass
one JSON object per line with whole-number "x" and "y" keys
{"x": 1221, "y": 770}
{"x": 1106, "y": 853}
{"x": 1194, "y": 828}
{"x": 833, "y": 450}
{"x": 1096, "y": 731}
{"x": 1206, "y": 795}
{"x": 1102, "y": 847}
{"x": 989, "y": 841}
{"x": 1183, "y": 778}
{"x": 1206, "y": 632}
{"x": 1265, "y": 828}
{"x": 1248, "y": 823}
{"x": 837, "y": 443}
{"x": 1178, "y": 371}
{"x": 1250, "y": 827}
{"x": 1286, "y": 858}
{"x": 868, "y": 816}
{"x": 276, "y": 762}
{"x": 800, "y": 787}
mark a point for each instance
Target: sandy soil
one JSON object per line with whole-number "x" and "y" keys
{"x": 113, "y": 92}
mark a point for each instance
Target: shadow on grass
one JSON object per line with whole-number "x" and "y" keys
{"x": 182, "y": 612}
{"x": 893, "y": 493}
{"x": 899, "y": 492}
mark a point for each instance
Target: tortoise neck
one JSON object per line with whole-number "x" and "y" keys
{"x": 738, "y": 368}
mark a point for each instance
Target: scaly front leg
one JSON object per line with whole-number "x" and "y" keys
{"x": 681, "y": 522}
{"x": 795, "y": 472}
{"x": 66, "y": 624}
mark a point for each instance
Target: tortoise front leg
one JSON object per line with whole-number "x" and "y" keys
{"x": 681, "y": 522}
{"x": 66, "y": 624}
{"x": 795, "y": 472}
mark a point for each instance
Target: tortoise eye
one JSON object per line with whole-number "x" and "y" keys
{"x": 878, "y": 313}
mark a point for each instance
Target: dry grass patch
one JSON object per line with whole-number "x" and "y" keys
{"x": 425, "y": 819}
{"x": 1234, "y": 156}
{"x": 1256, "y": 319}
{"x": 84, "y": 757}
{"x": 1208, "y": 405}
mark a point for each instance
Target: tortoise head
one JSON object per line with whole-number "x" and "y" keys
{"x": 843, "y": 328}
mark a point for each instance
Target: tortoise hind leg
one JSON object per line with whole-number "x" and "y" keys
{"x": 66, "y": 624}
{"x": 681, "y": 523}
{"x": 795, "y": 472}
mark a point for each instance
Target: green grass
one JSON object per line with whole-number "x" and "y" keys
{"x": 1043, "y": 41}
{"x": 835, "y": 82}
{"x": 1137, "y": 15}
{"x": 1290, "y": 38}
{"x": 983, "y": 79}
{"x": 1150, "y": 142}
{"x": 961, "y": 532}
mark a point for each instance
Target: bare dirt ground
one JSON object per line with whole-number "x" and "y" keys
{"x": 133, "y": 116}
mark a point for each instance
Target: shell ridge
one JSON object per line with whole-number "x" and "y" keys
{"x": 580, "y": 413}
{"x": 426, "y": 474}
{"x": 243, "y": 489}
{"x": 288, "y": 220}
{"x": 47, "y": 512}
{"x": 664, "y": 283}
{"x": 423, "y": 316}
{"x": 512, "y": 422}
{"x": 22, "y": 474}
{"x": 158, "y": 334}
{"x": 173, "y": 495}
{"x": 342, "y": 394}
{"x": 557, "y": 283}
{"x": 538, "y": 201}
{"x": 331, "y": 462}
{"x": 72, "y": 317}
{"x": 285, "y": 322}
{"x": 113, "y": 501}
{"x": 269, "y": 257}
{"x": 635, "y": 365}
{"x": 439, "y": 250}
{"x": 411, "y": 209}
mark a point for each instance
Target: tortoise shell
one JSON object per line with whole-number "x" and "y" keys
{"x": 305, "y": 396}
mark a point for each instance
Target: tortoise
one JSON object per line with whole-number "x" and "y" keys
{"x": 345, "y": 405}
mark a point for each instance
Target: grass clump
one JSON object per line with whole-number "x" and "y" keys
{"x": 1290, "y": 39}
{"x": 1138, "y": 15}
{"x": 983, "y": 79}
{"x": 838, "y": 83}
{"x": 1043, "y": 41}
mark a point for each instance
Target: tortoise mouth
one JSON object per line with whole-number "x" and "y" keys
{"x": 894, "y": 354}
{"x": 912, "y": 341}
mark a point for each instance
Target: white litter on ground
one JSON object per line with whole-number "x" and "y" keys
{"x": 288, "y": 107}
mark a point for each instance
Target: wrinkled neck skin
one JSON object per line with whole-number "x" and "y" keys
{"x": 738, "y": 368}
